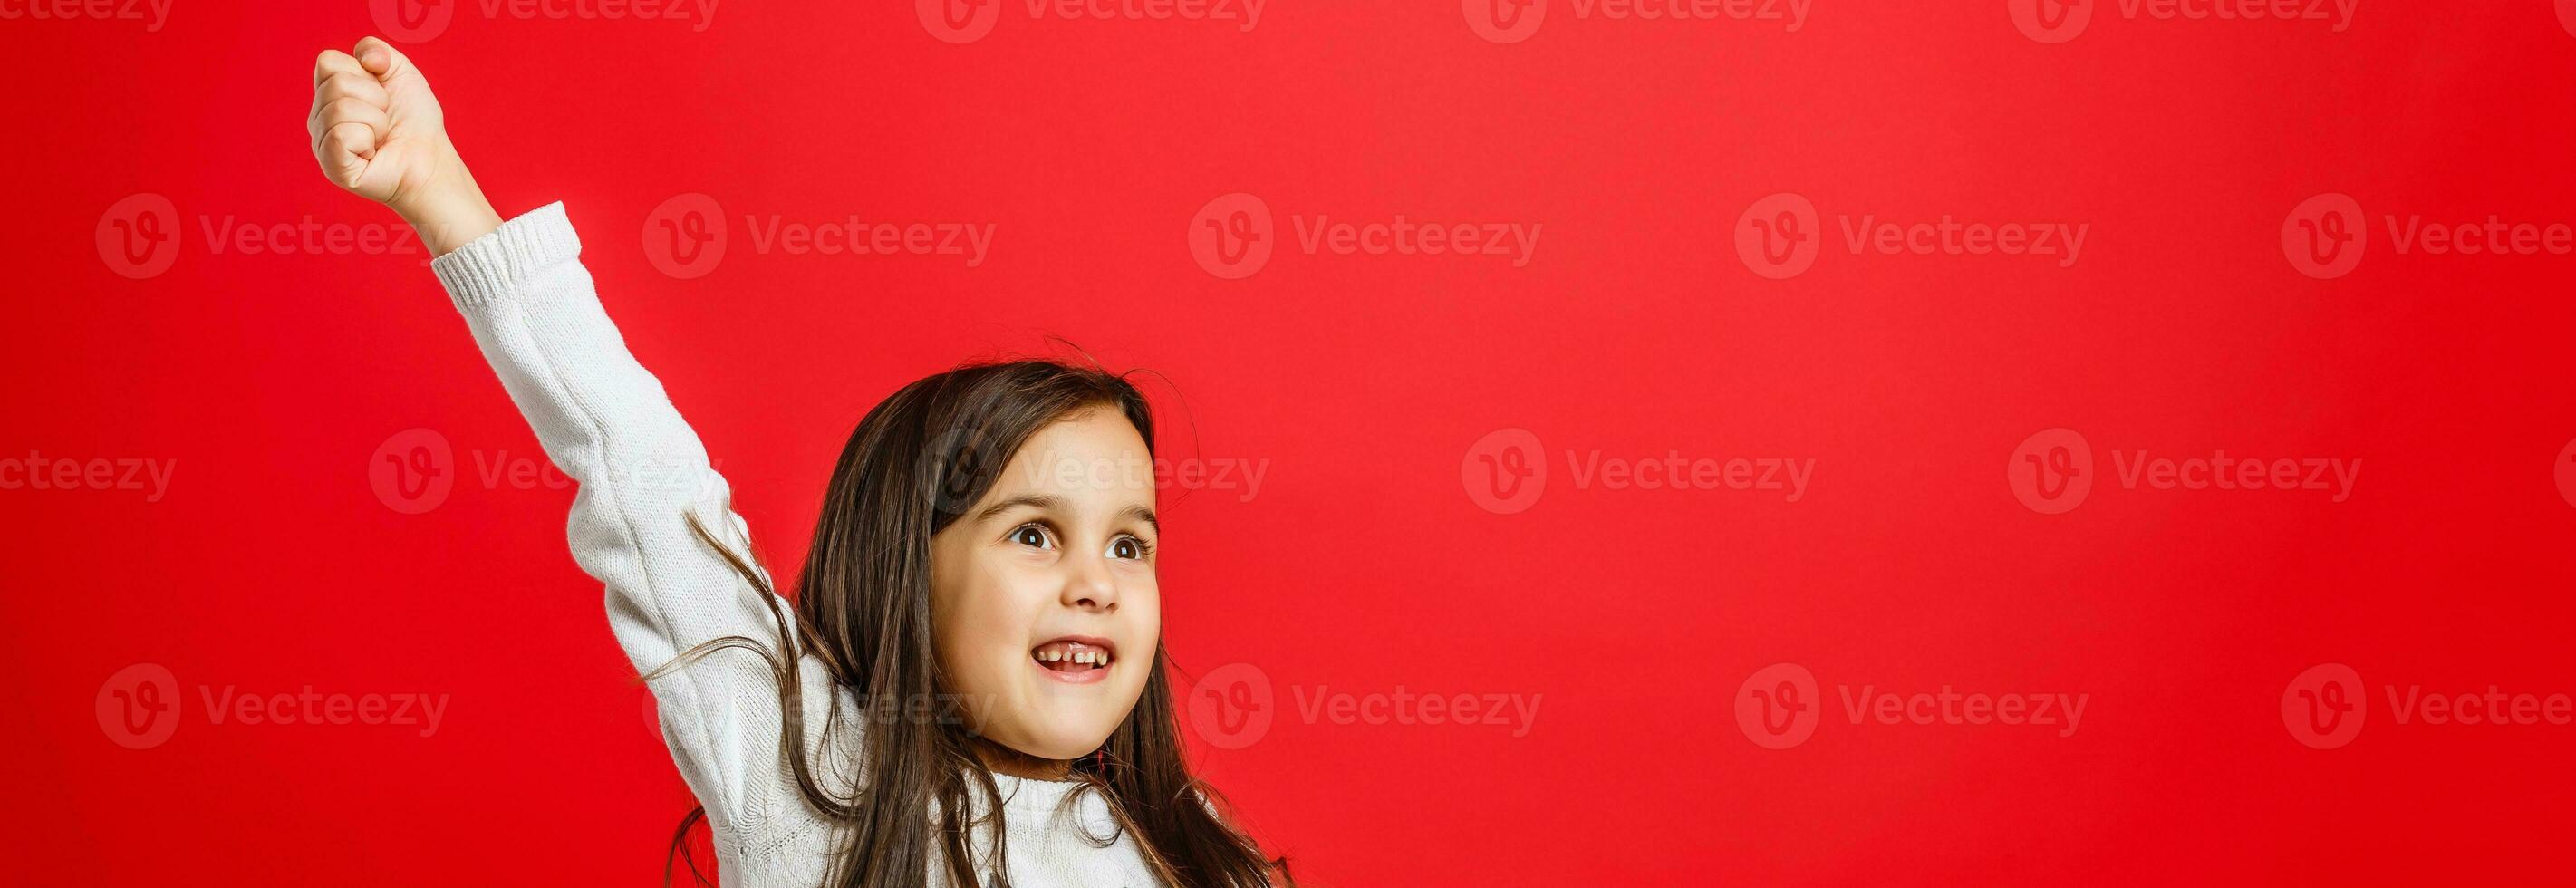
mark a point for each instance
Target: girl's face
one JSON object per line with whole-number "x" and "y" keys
{"x": 1044, "y": 610}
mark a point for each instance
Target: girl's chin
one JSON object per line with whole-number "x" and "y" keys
{"x": 1018, "y": 760}
{"x": 1043, "y": 754}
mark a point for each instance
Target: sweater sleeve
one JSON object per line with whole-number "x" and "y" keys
{"x": 607, "y": 424}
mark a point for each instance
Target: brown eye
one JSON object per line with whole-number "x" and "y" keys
{"x": 1032, "y": 536}
{"x": 1127, "y": 548}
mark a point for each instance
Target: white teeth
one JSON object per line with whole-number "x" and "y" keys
{"x": 1079, "y": 657}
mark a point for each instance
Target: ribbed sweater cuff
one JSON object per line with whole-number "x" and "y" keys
{"x": 495, "y": 265}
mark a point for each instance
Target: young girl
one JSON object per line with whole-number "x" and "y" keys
{"x": 970, "y": 686}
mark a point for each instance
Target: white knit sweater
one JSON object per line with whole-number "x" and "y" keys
{"x": 607, "y": 424}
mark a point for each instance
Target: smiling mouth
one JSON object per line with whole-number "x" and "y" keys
{"x": 1075, "y": 658}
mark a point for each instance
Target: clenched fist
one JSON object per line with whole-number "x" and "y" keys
{"x": 379, "y": 133}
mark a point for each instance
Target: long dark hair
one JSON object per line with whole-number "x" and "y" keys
{"x": 914, "y": 464}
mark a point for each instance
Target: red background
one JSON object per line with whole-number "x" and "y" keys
{"x": 1363, "y": 563}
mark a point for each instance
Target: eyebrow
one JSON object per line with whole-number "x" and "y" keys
{"x": 1047, "y": 502}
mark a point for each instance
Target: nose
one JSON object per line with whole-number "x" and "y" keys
{"x": 1090, "y": 586}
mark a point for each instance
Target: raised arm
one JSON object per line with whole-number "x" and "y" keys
{"x": 604, "y": 421}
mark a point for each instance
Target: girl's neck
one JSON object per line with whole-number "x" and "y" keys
{"x": 1001, "y": 759}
